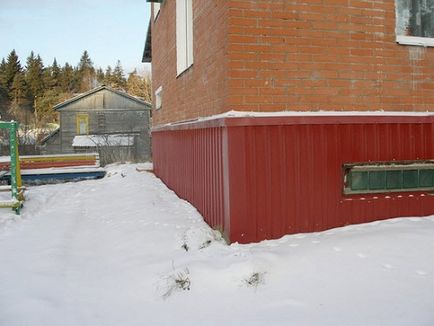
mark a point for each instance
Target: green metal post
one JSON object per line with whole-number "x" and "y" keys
{"x": 14, "y": 158}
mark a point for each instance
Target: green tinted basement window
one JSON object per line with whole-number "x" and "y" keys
{"x": 394, "y": 179}
{"x": 410, "y": 179}
{"x": 377, "y": 180}
{"x": 359, "y": 180}
{"x": 389, "y": 177}
{"x": 426, "y": 178}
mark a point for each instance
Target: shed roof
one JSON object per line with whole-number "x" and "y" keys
{"x": 103, "y": 140}
{"x": 97, "y": 89}
{"x": 147, "y": 52}
{"x": 50, "y": 135}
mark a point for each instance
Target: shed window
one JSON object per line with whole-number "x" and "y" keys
{"x": 184, "y": 35}
{"x": 389, "y": 177}
{"x": 82, "y": 124}
{"x": 415, "y": 22}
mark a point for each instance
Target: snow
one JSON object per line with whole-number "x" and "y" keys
{"x": 102, "y": 140}
{"x": 320, "y": 113}
{"x": 113, "y": 252}
{"x": 71, "y": 169}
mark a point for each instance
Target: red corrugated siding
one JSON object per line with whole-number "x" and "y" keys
{"x": 288, "y": 177}
{"x": 190, "y": 163}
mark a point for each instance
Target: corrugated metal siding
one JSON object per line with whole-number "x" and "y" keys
{"x": 288, "y": 178}
{"x": 191, "y": 163}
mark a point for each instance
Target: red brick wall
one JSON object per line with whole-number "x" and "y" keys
{"x": 274, "y": 55}
{"x": 324, "y": 55}
{"x": 202, "y": 89}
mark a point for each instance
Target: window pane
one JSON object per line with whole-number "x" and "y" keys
{"x": 394, "y": 179}
{"x": 359, "y": 180}
{"x": 426, "y": 178}
{"x": 410, "y": 178}
{"x": 415, "y": 18}
{"x": 377, "y": 180}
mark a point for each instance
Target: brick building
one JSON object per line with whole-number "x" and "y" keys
{"x": 302, "y": 162}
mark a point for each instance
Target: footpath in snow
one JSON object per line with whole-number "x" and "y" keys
{"x": 125, "y": 250}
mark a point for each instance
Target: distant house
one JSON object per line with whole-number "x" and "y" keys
{"x": 103, "y": 119}
{"x": 299, "y": 158}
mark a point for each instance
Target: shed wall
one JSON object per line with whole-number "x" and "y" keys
{"x": 115, "y": 121}
{"x": 262, "y": 181}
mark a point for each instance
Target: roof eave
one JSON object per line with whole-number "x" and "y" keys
{"x": 147, "y": 52}
{"x": 97, "y": 89}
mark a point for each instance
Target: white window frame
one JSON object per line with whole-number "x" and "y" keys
{"x": 159, "y": 98}
{"x": 156, "y": 9}
{"x": 410, "y": 40}
{"x": 184, "y": 35}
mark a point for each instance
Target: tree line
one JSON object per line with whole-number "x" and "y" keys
{"x": 28, "y": 93}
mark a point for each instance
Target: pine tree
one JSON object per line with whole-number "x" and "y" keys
{"x": 85, "y": 62}
{"x": 100, "y": 76}
{"x": 4, "y": 97}
{"x": 85, "y": 73}
{"x": 52, "y": 76}
{"x": 3, "y": 86}
{"x": 13, "y": 66}
{"x": 55, "y": 73}
{"x": 66, "y": 79}
{"x": 34, "y": 75}
{"x": 118, "y": 78}
{"x": 139, "y": 86}
{"x": 108, "y": 78}
{"x": 18, "y": 94}
{"x": 3, "y": 73}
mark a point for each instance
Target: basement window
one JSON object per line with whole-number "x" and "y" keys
{"x": 184, "y": 35}
{"x": 415, "y": 22}
{"x": 388, "y": 177}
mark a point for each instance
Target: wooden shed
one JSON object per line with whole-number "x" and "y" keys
{"x": 102, "y": 119}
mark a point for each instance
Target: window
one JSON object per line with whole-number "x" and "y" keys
{"x": 156, "y": 9}
{"x": 415, "y": 22}
{"x": 389, "y": 177}
{"x": 184, "y": 35}
{"x": 158, "y": 98}
{"x": 82, "y": 120}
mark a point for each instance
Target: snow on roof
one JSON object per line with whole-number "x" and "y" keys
{"x": 102, "y": 140}
{"x": 247, "y": 114}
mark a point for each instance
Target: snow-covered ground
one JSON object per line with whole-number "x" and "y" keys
{"x": 124, "y": 250}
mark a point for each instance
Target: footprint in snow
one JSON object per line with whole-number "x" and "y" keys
{"x": 337, "y": 249}
{"x": 316, "y": 241}
{"x": 294, "y": 245}
{"x": 387, "y": 266}
{"x": 361, "y": 255}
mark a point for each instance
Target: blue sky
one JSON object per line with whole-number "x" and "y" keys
{"x": 108, "y": 29}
